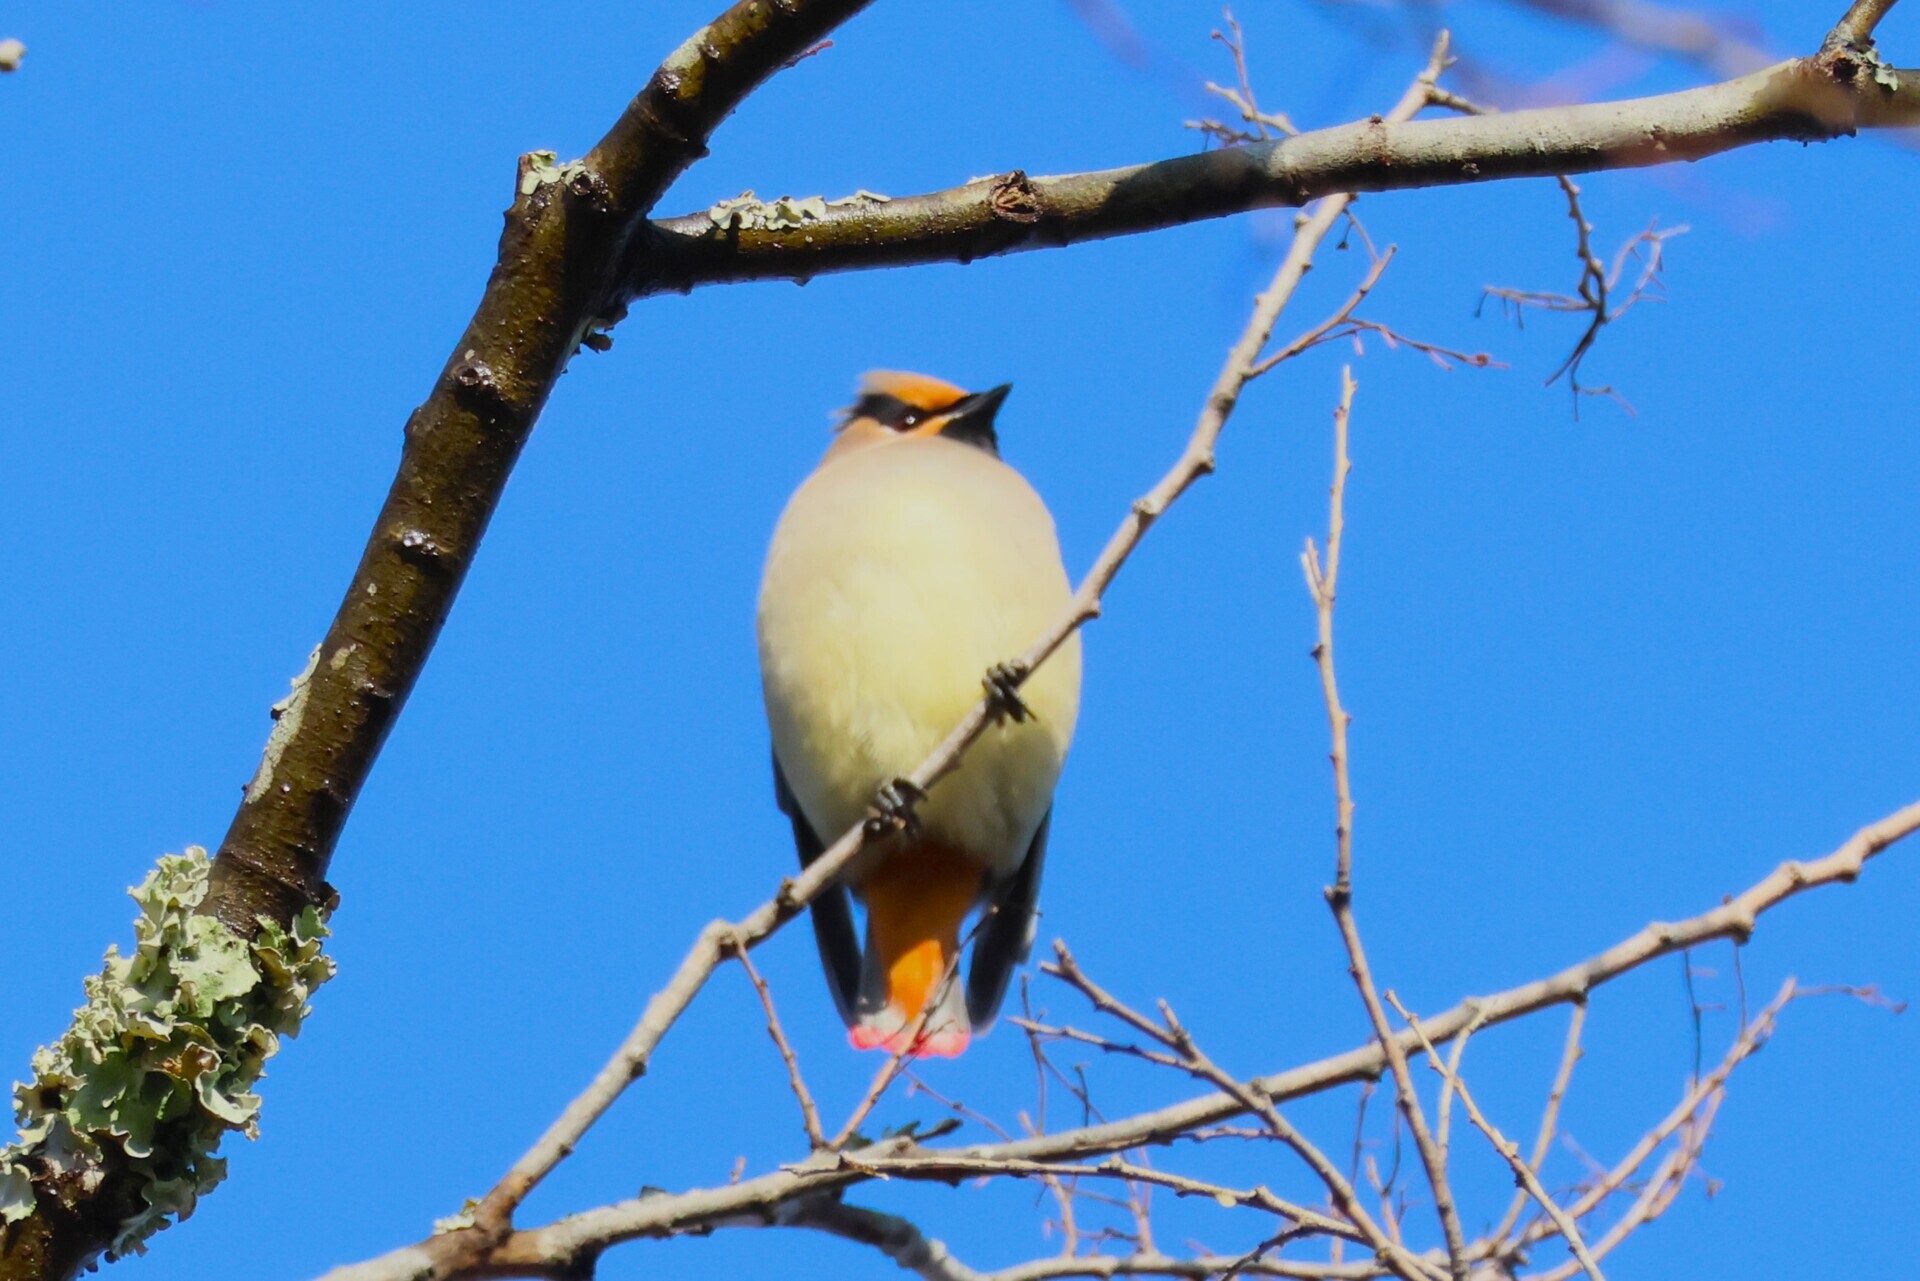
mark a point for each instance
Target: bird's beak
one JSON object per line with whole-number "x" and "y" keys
{"x": 977, "y": 411}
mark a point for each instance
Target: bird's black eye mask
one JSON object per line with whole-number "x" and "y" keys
{"x": 970, "y": 421}
{"x": 889, "y": 411}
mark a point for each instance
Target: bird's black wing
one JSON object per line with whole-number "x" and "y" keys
{"x": 1006, "y": 933}
{"x": 832, "y": 910}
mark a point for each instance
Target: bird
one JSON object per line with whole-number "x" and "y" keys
{"x": 912, "y": 565}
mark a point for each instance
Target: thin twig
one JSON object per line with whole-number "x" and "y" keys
{"x": 809, "y": 1114}
{"x": 1692, "y": 1119}
{"x": 1856, "y": 27}
{"x": 926, "y": 1163}
{"x": 1443, "y": 1114}
{"x": 1549, "y": 1116}
{"x": 1507, "y": 1148}
{"x": 548, "y": 1250}
{"x": 1263, "y": 124}
{"x": 1195, "y": 1061}
{"x": 1594, "y": 292}
{"x": 1323, "y": 582}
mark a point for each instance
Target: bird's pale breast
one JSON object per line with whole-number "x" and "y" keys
{"x": 898, "y": 574}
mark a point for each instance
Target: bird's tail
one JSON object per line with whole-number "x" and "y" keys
{"x": 917, "y": 901}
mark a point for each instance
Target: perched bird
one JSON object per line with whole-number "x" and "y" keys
{"x": 905, "y": 567}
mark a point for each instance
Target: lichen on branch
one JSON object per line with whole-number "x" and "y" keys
{"x": 160, "y": 1063}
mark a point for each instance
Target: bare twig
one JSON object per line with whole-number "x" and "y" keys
{"x": 1443, "y": 1112}
{"x": 1595, "y": 290}
{"x": 1262, "y": 125}
{"x": 1323, "y": 582}
{"x": 1549, "y": 1116}
{"x": 1192, "y": 1059}
{"x": 930, "y": 1164}
{"x": 1855, "y": 28}
{"x": 1065, "y": 1032}
{"x": 1507, "y": 1148}
{"x": 1596, "y": 283}
{"x": 1692, "y": 1119}
{"x": 548, "y": 1250}
{"x": 809, "y": 1114}
{"x": 1342, "y": 323}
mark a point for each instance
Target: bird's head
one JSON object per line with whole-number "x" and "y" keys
{"x": 893, "y": 405}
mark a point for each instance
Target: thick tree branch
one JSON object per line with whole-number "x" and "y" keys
{"x": 1806, "y": 100}
{"x": 569, "y": 231}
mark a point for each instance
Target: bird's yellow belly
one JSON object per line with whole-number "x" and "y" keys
{"x": 878, "y": 619}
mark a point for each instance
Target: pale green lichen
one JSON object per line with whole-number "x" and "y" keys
{"x": 747, "y": 212}
{"x": 161, "y": 1061}
{"x": 466, "y": 1217}
{"x": 287, "y": 715}
{"x": 542, "y": 169}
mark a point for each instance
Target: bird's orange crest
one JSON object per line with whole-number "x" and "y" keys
{"x": 922, "y": 391}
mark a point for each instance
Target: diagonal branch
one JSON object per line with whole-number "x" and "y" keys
{"x": 1549, "y": 1116}
{"x": 809, "y": 1112}
{"x": 1735, "y": 918}
{"x": 570, "y": 231}
{"x": 552, "y": 1249}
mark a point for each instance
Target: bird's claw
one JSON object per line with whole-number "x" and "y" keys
{"x": 893, "y": 808}
{"x": 1002, "y": 682}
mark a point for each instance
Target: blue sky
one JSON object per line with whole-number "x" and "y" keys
{"x": 1602, "y": 671}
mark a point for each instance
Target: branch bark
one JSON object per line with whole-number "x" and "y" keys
{"x": 1830, "y": 95}
{"x": 570, "y": 233}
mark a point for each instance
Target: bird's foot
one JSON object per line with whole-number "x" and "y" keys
{"x": 893, "y": 808}
{"x": 1002, "y": 682}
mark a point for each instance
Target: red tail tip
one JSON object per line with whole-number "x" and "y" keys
{"x": 946, "y": 1042}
